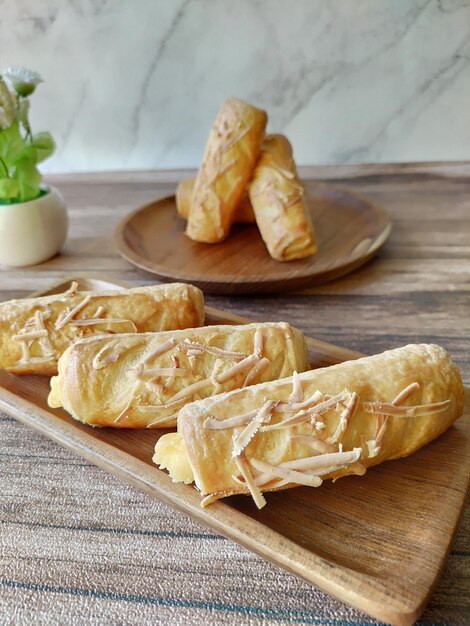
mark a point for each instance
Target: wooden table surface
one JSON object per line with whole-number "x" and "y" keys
{"x": 416, "y": 289}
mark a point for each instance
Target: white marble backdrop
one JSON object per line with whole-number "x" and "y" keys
{"x": 136, "y": 83}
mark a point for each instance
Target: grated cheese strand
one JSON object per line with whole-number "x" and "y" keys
{"x": 155, "y": 372}
{"x": 405, "y": 394}
{"x": 159, "y": 420}
{"x": 104, "y": 320}
{"x": 257, "y": 369}
{"x": 239, "y": 368}
{"x": 30, "y": 334}
{"x": 282, "y": 170}
{"x": 374, "y": 445}
{"x": 293, "y": 476}
{"x": 319, "y": 462}
{"x": 159, "y": 350}
{"x": 345, "y": 417}
{"x": 230, "y": 143}
{"x": 213, "y": 497}
{"x": 255, "y": 491}
{"x": 258, "y": 343}
{"x": 305, "y": 415}
{"x": 199, "y": 347}
{"x": 44, "y": 342}
{"x": 405, "y": 411}
{"x": 100, "y": 361}
{"x": 126, "y": 408}
{"x": 297, "y": 395}
{"x": 215, "y": 371}
{"x": 320, "y": 446}
{"x": 72, "y": 290}
{"x": 288, "y": 407}
{"x": 25, "y": 354}
{"x": 63, "y": 320}
{"x": 250, "y": 430}
{"x": 238, "y": 420}
{"x": 189, "y": 390}
{"x": 41, "y": 359}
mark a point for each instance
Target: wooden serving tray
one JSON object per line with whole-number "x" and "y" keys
{"x": 349, "y": 231}
{"x": 378, "y": 542}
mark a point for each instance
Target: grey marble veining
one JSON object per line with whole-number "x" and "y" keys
{"x": 137, "y": 84}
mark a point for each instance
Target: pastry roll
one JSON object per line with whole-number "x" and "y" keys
{"x": 228, "y": 162}
{"x": 279, "y": 203}
{"x": 243, "y": 213}
{"x": 34, "y": 332}
{"x": 139, "y": 381}
{"x": 322, "y": 424}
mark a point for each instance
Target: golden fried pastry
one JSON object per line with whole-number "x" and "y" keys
{"x": 279, "y": 203}
{"x": 139, "y": 381}
{"x": 322, "y": 424}
{"x": 229, "y": 159}
{"x": 243, "y": 213}
{"x": 34, "y": 332}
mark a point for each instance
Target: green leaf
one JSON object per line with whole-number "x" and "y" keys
{"x": 12, "y": 144}
{"x": 9, "y": 188}
{"x": 29, "y": 179}
{"x": 44, "y": 145}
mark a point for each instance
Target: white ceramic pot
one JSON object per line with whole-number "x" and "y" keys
{"x": 32, "y": 232}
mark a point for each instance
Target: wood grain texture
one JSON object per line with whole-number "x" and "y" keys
{"x": 349, "y": 231}
{"x": 416, "y": 289}
{"x": 385, "y": 568}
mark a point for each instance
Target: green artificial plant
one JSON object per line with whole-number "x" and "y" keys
{"x": 20, "y": 149}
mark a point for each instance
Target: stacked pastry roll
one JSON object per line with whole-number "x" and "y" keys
{"x": 247, "y": 176}
{"x": 229, "y": 159}
{"x": 323, "y": 424}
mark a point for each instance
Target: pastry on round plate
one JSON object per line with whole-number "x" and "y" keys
{"x": 279, "y": 202}
{"x": 243, "y": 213}
{"x": 227, "y": 166}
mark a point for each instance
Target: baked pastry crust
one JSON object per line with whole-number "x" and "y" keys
{"x": 34, "y": 332}
{"x": 325, "y": 423}
{"x": 279, "y": 203}
{"x": 243, "y": 213}
{"x": 142, "y": 381}
{"x": 227, "y": 165}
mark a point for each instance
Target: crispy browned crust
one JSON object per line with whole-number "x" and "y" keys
{"x": 140, "y": 381}
{"x": 279, "y": 203}
{"x": 142, "y": 309}
{"x": 422, "y": 376}
{"x": 243, "y": 213}
{"x": 227, "y": 165}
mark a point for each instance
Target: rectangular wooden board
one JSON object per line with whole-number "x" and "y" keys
{"x": 378, "y": 542}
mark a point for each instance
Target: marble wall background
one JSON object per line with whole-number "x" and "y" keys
{"x": 136, "y": 84}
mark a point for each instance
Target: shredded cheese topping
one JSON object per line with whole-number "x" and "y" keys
{"x": 405, "y": 411}
{"x": 250, "y": 430}
{"x": 184, "y": 366}
{"x": 329, "y": 457}
{"x": 34, "y": 330}
{"x": 72, "y": 290}
{"x": 250, "y": 483}
{"x": 237, "y": 369}
{"x": 297, "y": 394}
{"x": 239, "y": 420}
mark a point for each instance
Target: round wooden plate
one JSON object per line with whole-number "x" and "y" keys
{"x": 349, "y": 232}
